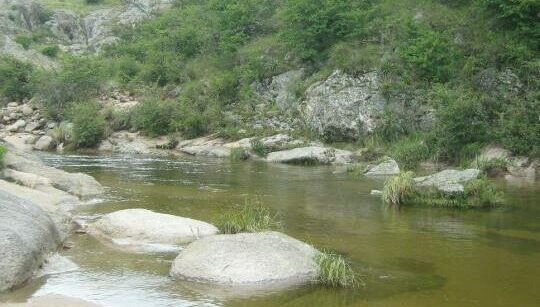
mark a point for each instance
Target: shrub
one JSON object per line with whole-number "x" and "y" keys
{"x": 253, "y": 217}
{"x": 409, "y": 152}
{"x": 354, "y": 59}
{"x": 335, "y": 271}
{"x": 397, "y": 190}
{"x": 492, "y": 167}
{"x": 154, "y": 117}
{"x": 191, "y": 123}
{"x": 24, "y": 40}
{"x": 88, "y": 125}
{"x": 15, "y": 79}
{"x": 239, "y": 154}
{"x": 62, "y": 134}
{"x": 2, "y": 154}
{"x": 519, "y": 126}
{"x": 480, "y": 193}
{"x": 259, "y": 148}
{"x": 462, "y": 121}
{"x": 50, "y": 50}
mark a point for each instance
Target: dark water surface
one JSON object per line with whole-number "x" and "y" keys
{"x": 408, "y": 257}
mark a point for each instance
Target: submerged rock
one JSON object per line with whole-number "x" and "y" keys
{"x": 142, "y": 230}
{"x": 27, "y": 235}
{"x": 448, "y": 181}
{"x": 387, "y": 168}
{"x": 249, "y": 259}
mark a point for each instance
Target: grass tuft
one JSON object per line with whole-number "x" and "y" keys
{"x": 335, "y": 271}
{"x": 259, "y": 148}
{"x": 253, "y": 217}
{"x": 239, "y": 154}
{"x": 397, "y": 189}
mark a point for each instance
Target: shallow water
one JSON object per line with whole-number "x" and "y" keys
{"x": 407, "y": 257}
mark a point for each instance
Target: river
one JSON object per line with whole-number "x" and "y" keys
{"x": 406, "y": 257}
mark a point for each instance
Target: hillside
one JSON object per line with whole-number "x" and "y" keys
{"x": 418, "y": 80}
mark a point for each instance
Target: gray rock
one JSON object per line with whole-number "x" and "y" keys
{"x": 521, "y": 168}
{"x": 31, "y": 126}
{"x": 19, "y": 124}
{"x": 278, "y": 90}
{"x": 143, "y": 230}
{"x": 78, "y": 184}
{"x": 215, "y": 151}
{"x": 342, "y": 106}
{"x": 375, "y": 193}
{"x": 27, "y": 235}
{"x": 45, "y": 143}
{"x": 311, "y": 154}
{"x": 387, "y": 168}
{"x": 448, "y": 181}
{"x": 247, "y": 259}
{"x": 12, "y": 104}
{"x": 27, "y": 110}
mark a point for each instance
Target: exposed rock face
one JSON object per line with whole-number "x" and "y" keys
{"x": 247, "y": 259}
{"x": 386, "y": 168}
{"x": 503, "y": 84}
{"x": 278, "y": 90}
{"x": 311, "y": 155}
{"x": 144, "y": 230}
{"x": 342, "y": 106}
{"x": 448, "y": 181}
{"x": 27, "y": 235}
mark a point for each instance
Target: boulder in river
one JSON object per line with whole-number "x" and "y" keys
{"x": 27, "y": 235}
{"x": 247, "y": 259}
{"x": 388, "y": 167}
{"x": 448, "y": 181}
{"x": 141, "y": 230}
{"x": 311, "y": 155}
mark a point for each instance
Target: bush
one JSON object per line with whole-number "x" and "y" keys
{"x": 15, "y": 79}
{"x": 80, "y": 80}
{"x": 154, "y": 117}
{"x": 409, "y": 152}
{"x": 398, "y": 190}
{"x": 88, "y": 125}
{"x": 355, "y": 59}
{"x": 2, "y": 154}
{"x": 252, "y": 217}
{"x": 191, "y": 123}
{"x": 259, "y": 148}
{"x": 335, "y": 271}
{"x": 462, "y": 121}
{"x": 519, "y": 129}
{"x": 50, "y": 50}
{"x": 480, "y": 193}
{"x": 62, "y": 134}
{"x": 239, "y": 154}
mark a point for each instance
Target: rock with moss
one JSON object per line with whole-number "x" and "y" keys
{"x": 343, "y": 107}
{"x": 248, "y": 259}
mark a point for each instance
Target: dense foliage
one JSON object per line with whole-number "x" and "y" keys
{"x": 474, "y": 63}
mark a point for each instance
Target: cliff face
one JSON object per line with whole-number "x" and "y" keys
{"x": 25, "y": 22}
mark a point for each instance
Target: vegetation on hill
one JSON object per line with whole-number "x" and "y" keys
{"x": 445, "y": 55}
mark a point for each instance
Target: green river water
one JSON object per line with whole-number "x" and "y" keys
{"x": 406, "y": 257}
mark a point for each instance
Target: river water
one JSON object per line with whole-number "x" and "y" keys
{"x": 406, "y": 257}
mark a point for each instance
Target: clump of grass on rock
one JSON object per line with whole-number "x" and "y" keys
{"x": 335, "y": 271}
{"x": 397, "y": 190}
{"x": 253, "y": 217}
{"x": 239, "y": 154}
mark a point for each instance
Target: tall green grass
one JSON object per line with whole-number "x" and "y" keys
{"x": 398, "y": 189}
{"x": 335, "y": 271}
{"x": 253, "y": 217}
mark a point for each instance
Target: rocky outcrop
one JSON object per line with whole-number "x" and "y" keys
{"x": 142, "y": 230}
{"x": 311, "y": 155}
{"x": 247, "y": 259}
{"x": 27, "y": 235}
{"x": 342, "y": 106}
{"x": 448, "y": 181}
{"x": 388, "y": 167}
{"x": 78, "y": 184}
{"x": 279, "y": 90}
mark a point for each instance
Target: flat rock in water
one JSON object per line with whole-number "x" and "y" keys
{"x": 311, "y": 155}
{"x": 247, "y": 259}
{"x": 142, "y": 230}
{"x": 386, "y": 168}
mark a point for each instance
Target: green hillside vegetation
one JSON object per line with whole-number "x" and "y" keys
{"x": 431, "y": 52}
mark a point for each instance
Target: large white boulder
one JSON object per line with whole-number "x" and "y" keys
{"x": 27, "y": 236}
{"x": 311, "y": 155}
{"x": 247, "y": 259}
{"x": 142, "y": 230}
{"x": 448, "y": 181}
